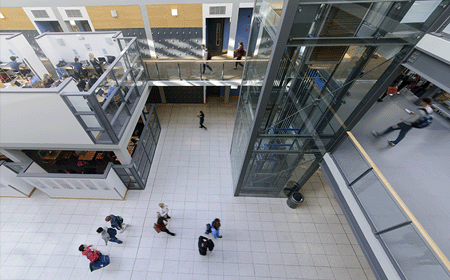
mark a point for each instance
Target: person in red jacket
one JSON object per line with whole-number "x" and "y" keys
{"x": 91, "y": 254}
{"x": 240, "y": 54}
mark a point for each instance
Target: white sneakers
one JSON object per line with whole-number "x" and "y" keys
{"x": 124, "y": 228}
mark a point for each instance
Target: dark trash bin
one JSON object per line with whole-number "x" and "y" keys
{"x": 295, "y": 199}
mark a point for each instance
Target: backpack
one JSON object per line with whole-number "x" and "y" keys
{"x": 93, "y": 256}
{"x": 112, "y": 232}
{"x": 209, "y": 56}
{"x": 119, "y": 220}
{"x": 423, "y": 121}
{"x": 208, "y": 228}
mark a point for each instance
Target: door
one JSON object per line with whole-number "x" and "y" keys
{"x": 214, "y": 35}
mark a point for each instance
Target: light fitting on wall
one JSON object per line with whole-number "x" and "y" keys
{"x": 80, "y": 37}
{"x": 1, "y": 15}
{"x": 72, "y": 22}
{"x": 174, "y": 12}
{"x": 113, "y": 13}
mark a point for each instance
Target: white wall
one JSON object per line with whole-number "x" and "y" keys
{"x": 80, "y": 44}
{"x": 436, "y": 46}
{"x": 77, "y": 187}
{"x": 6, "y": 50}
{"x": 11, "y": 185}
{"x": 35, "y": 118}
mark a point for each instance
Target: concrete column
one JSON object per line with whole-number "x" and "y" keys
{"x": 16, "y": 155}
{"x": 63, "y": 24}
{"x": 163, "y": 96}
{"x": 227, "y": 95}
{"x": 204, "y": 94}
{"x": 233, "y": 30}
{"x": 148, "y": 31}
{"x": 123, "y": 155}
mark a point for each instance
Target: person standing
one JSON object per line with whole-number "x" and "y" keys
{"x": 421, "y": 119}
{"x": 202, "y": 120}
{"x": 240, "y": 52}
{"x": 96, "y": 64}
{"x": 206, "y": 56}
{"x": 108, "y": 234}
{"x": 204, "y": 244}
{"x": 214, "y": 228}
{"x": 117, "y": 222}
{"x": 163, "y": 211}
{"x": 162, "y": 222}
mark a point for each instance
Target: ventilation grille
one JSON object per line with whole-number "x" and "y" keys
{"x": 40, "y": 13}
{"x": 73, "y": 13}
{"x": 217, "y": 10}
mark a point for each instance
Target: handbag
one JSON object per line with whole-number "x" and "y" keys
{"x": 155, "y": 226}
{"x": 392, "y": 90}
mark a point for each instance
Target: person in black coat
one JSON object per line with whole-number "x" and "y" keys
{"x": 202, "y": 119}
{"x": 204, "y": 244}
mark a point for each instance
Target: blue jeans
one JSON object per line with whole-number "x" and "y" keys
{"x": 404, "y": 128}
{"x": 114, "y": 239}
{"x": 204, "y": 66}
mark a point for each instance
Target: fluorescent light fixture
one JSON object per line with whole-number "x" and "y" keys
{"x": 109, "y": 41}
{"x": 60, "y": 41}
{"x": 113, "y": 13}
{"x": 234, "y": 87}
{"x": 72, "y": 22}
{"x": 174, "y": 12}
{"x": 1, "y": 15}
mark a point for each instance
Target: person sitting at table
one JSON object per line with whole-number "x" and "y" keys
{"x": 96, "y": 64}
{"x": 81, "y": 85}
{"x": 79, "y": 70}
{"x": 61, "y": 72}
{"x": 58, "y": 82}
{"x": 109, "y": 90}
{"x": 15, "y": 66}
{"x": 47, "y": 81}
{"x": 31, "y": 80}
{"x": 92, "y": 80}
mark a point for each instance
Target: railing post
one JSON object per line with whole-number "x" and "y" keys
{"x": 201, "y": 77}
{"x": 223, "y": 68}
{"x": 157, "y": 70}
{"x": 179, "y": 72}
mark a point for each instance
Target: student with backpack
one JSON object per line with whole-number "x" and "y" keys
{"x": 214, "y": 228}
{"x": 206, "y": 56}
{"x": 117, "y": 222}
{"x": 204, "y": 244}
{"x": 108, "y": 234}
{"x": 94, "y": 256}
{"x": 422, "y": 118}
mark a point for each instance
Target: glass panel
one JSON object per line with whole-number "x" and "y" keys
{"x": 350, "y": 160}
{"x": 79, "y": 103}
{"x": 90, "y": 121}
{"x": 415, "y": 258}
{"x": 378, "y": 203}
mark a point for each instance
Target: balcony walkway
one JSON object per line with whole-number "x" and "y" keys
{"x": 417, "y": 167}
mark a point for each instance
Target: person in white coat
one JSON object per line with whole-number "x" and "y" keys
{"x": 163, "y": 211}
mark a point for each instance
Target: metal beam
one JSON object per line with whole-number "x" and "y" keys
{"x": 345, "y": 41}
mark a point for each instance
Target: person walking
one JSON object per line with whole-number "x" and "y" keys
{"x": 163, "y": 211}
{"x": 162, "y": 223}
{"x": 108, "y": 234}
{"x": 240, "y": 52}
{"x": 202, "y": 120}
{"x": 97, "y": 259}
{"x": 117, "y": 222}
{"x": 214, "y": 228}
{"x": 204, "y": 244}
{"x": 422, "y": 119}
{"x": 206, "y": 56}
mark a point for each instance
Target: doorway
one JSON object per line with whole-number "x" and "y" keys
{"x": 215, "y": 35}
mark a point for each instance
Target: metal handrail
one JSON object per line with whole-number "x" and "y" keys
{"x": 400, "y": 202}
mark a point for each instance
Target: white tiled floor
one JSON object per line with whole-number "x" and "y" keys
{"x": 262, "y": 237}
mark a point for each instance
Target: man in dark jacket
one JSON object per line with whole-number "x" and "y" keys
{"x": 203, "y": 244}
{"x": 117, "y": 222}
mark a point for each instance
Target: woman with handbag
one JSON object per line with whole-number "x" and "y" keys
{"x": 240, "y": 53}
{"x": 162, "y": 223}
{"x": 163, "y": 211}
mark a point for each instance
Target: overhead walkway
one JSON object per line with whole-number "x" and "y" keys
{"x": 402, "y": 191}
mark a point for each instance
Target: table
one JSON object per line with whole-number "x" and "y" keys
{"x": 51, "y": 155}
{"x": 89, "y": 155}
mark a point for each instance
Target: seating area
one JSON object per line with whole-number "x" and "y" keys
{"x": 76, "y": 162}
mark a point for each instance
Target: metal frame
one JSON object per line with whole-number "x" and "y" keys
{"x": 287, "y": 19}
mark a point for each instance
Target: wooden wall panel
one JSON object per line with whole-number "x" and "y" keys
{"x": 127, "y": 17}
{"x": 15, "y": 19}
{"x": 189, "y": 15}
